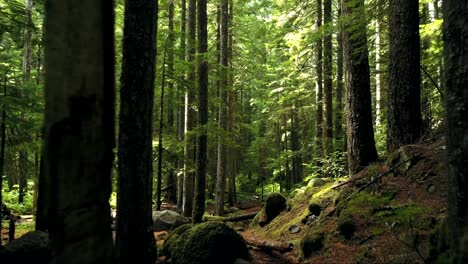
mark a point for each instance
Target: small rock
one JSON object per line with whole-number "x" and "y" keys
{"x": 431, "y": 189}
{"x": 294, "y": 229}
{"x": 317, "y": 182}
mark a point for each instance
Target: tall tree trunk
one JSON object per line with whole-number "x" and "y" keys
{"x": 404, "y": 99}
{"x": 319, "y": 70}
{"x": 328, "y": 78}
{"x": 190, "y": 115}
{"x": 171, "y": 174}
{"x": 456, "y": 83}
{"x": 339, "y": 91}
{"x": 135, "y": 238}
{"x": 181, "y": 105}
{"x": 360, "y": 133}
{"x": 200, "y": 180}
{"x": 79, "y": 130}
{"x": 222, "y": 120}
{"x": 26, "y": 68}
{"x": 232, "y": 104}
{"x": 296, "y": 148}
{"x": 2, "y": 150}
{"x": 378, "y": 74}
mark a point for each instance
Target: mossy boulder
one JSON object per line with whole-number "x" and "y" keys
{"x": 311, "y": 243}
{"x": 211, "y": 242}
{"x": 345, "y": 226}
{"x": 33, "y": 247}
{"x": 315, "y": 209}
{"x": 171, "y": 240}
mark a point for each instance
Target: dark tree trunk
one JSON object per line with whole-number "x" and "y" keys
{"x": 181, "y": 106}
{"x": 296, "y": 148}
{"x": 328, "y": 78}
{"x": 222, "y": 119}
{"x": 135, "y": 238}
{"x": 456, "y": 83}
{"x": 79, "y": 130}
{"x": 360, "y": 133}
{"x": 202, "y": 148}
{"x": 190, "y": 115}
{"x": 404, "y": 80}
{"x": 23, "y": 175}
{"x": 319, "y": 69}
{"x": 339, "y": 144}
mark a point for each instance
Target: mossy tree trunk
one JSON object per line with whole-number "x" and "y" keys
{"x": 134, "y": 239}
{"x": 456, "y": 83}
{"x": 79, "y": 129}
{"x": 360, "y": 132}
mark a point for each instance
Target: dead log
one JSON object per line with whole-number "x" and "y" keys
{"x": 270, "y": 246}
{"x": 241, "y": 217}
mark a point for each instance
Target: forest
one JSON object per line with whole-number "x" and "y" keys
{"x": 233, "y": 132}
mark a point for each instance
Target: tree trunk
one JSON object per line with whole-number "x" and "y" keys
{"x": 319, "y": 69}
{"x": 378, "y": 75}
{"x": 339, "y": 144}
{"x": 222, "y": 121}
{"x": 181, "y": 106}
{"x": 328, "y": 77}
{"x": 360, "y": 133}
{"x": 190, "y": 115}
{"x": 296, "y": 148}
{"x": 2, "y": 151}
{"x": 79, "y": 130}
{"x": 404, "y": 80}
{"x": 200, "y": 180}
{"x": 456, "y": 83}
{"x": 171, "y": 174}
{"x": 135, "y": 238}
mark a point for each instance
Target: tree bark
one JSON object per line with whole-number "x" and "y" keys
{"x": 339, "y": 143}
{"x": 190, "y": 115}
{"x": 360, "y": 133}
{"x": 2, "y": 151}
{"x": 456, "y": 83}
{"x": 404, "y": 78}
{"x": 328, "y": 78}
{"x": 222, "y": 120}
{"x": 319, "y": 85}
{"x": 134, "y": 239}
{"x": 181, "y": 105}
{"x": 200, "y": 180}
{"x": 79, "y": 129}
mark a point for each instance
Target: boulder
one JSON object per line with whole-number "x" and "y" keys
{"x": 274, "y": 205}
{"x": 33, "y": 247}
{"x": 170, "y": 242}
{"x": 167, "y": 220}
{"x": 211, "y": 242}
{"x": 317, "y": 182}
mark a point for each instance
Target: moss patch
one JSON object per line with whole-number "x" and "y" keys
{"x": 311, "y": 243}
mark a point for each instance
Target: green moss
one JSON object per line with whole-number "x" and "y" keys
{"x": 208, "y": 217}
{"x": 364, "y": 255}
{"x": 171, "y": 240}
{"x": 312, "y": 242}
{"x": 345, "y": 225}
{"x": 211, "y": 242}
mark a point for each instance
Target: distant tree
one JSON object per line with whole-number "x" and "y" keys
{"x": 339, "y": 146}
{"x": 404, "y": 78}
{"x": 360, "y": 132}
{"x": 202, "y": 146}
{"x": 319, "y": 85}
{"x": 456, "y": 83}
{"x": 134, "y": 239}
{"x": 328, "y": 78}
{"x": 79, "y": 129}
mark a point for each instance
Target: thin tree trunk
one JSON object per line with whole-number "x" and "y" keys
{"x": 79, "y": 130}
{"x": 328, "y": 77}
{"x": 456, "y": 83}
{"x": 190, "y": 115}
{"x": 222, "y": 121}
{"x": 2, "y": 150}
{"x": 360, "y": 133}
{"x": 378, "y": 74}
{"x": 339, "y": 91}
{"x": 319, "y": 85}
{"x": 181, "y": 106}
{"x": 200, "y": 180}
{"x": 134, "y": 239}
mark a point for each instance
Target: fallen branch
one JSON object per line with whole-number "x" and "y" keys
{"x": 268, "y": 246}
{"x": 241, "y": 217}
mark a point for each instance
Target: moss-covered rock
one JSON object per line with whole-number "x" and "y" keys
{"x": 315, "y": 209}
{"x": 274, "y": 205}
{"x": 33, "y": 247}
{"x": 345, "y": 226}
{"x": 171, "y": 240}
{"x": 211, "y": 242}
{"x": 312, "y": 242}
